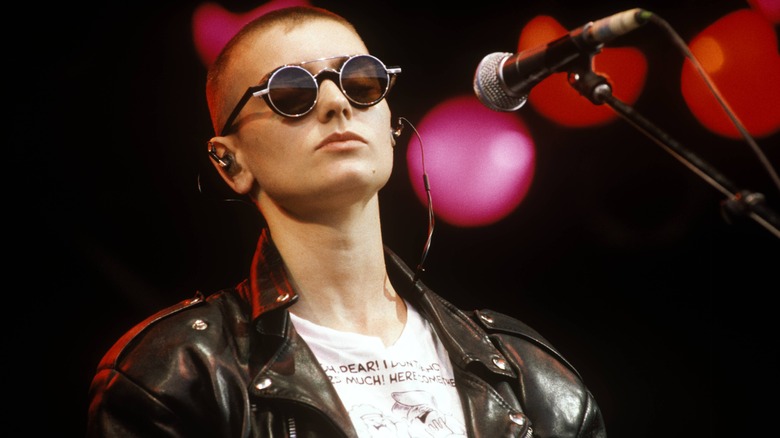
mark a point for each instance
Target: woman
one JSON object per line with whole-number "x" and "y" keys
{"x": 331, "y": 335}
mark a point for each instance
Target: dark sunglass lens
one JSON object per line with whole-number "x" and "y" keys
{"x": 364, "y": 80}
{"x": 292, "y": 91}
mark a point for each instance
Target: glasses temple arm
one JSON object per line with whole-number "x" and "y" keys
{"x": 239, "y": 106}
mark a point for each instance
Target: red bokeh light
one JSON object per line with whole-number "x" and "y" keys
{"x": 624, "y": 68}
{"x": 739, "y": 54}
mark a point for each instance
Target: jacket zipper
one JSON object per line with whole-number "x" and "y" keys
{"x": 291, "y": 432}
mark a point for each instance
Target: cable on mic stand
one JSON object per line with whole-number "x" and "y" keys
{"x": 596, "y": 88}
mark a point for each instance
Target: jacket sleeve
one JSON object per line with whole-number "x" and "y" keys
{"x": 554, "y": 395}
{"x": 121, "y": 408}
{"x": 158, "y": 380}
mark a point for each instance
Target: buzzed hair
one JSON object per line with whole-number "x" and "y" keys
{"x": 290, "y": 18}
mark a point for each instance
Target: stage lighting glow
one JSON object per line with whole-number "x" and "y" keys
{"x": 480, "y": 163}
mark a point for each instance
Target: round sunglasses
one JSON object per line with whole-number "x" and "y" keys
{"x": 292, "y": 90}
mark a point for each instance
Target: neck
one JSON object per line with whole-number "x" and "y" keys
{"x": 338, "y": 268}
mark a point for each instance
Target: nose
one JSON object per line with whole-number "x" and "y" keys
{"x": 332, "y": 102}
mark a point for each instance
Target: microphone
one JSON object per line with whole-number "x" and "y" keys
{"x": 503, "y": 80}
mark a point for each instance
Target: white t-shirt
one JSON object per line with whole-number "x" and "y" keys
{"x": 404, "y": 390}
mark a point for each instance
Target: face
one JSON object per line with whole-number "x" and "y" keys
{"x": 337, "y": 155}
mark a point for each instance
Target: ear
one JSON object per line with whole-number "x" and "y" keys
{"x": 227, "y": 159}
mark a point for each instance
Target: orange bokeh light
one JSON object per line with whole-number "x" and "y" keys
{"x": 739, "y": 53}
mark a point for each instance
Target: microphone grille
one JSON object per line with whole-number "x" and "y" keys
{"x": 488, "y": 86}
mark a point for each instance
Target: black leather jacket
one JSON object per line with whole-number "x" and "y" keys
{"x": 232, "y": 365}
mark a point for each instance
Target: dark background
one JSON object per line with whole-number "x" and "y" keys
{"x": 619, "y": 255}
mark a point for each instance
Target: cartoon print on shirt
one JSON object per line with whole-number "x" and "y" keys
{"x": 419, "y": 409}
{"x": 415, "y": 415}
{"x": 371, "y": 422}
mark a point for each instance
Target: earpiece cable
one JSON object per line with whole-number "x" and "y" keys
{"x": 426, "y": 183}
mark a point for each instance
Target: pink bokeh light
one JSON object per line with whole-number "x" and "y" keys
{"x": 480, "y": 163}
{"x": 213, "y": 25}
{"x": 770, "y": 9}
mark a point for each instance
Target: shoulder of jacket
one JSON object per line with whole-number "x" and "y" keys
{"x": 185, "y": 316}
{"x": 508, "y": 327}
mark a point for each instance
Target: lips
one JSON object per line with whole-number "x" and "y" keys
{"x": 341, "y": 140}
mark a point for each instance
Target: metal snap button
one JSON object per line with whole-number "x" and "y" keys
{"x": 263, "y": 384}
{"x": 518, "y": 418}
{"x": 499, "y": 362}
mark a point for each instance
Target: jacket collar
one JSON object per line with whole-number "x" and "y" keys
{"x": 464, "y": 340}
{"x": 269, "y": 288}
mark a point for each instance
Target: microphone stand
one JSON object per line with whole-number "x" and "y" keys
{"x": 739, "y": 202}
